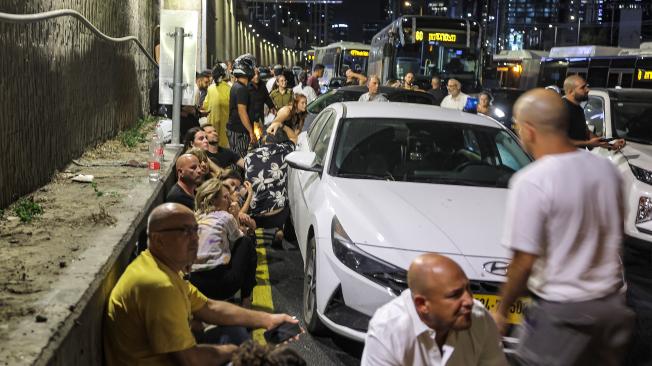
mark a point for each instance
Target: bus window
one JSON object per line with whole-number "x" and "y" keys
{"x": 626, "y": 80}
{"x": 613, "y": 80}
{"x": 553, "y": 73}
{"x": 598, "y": 77}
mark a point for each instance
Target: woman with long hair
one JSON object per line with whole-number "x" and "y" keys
{"x": 292, "y": 116}
{"x": 226, "y": 258}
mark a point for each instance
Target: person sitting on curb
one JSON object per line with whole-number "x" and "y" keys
{"x": 434, "y": 322}
{"x": 226, "y": 260}
{"x": 147, "y": 319}
{"x": 222, "y": 157}
{"x": 189, "y": 175}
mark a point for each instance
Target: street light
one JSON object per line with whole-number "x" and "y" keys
{"x": 407, "y": 4}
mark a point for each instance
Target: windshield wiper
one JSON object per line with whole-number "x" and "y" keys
{"x": 640, "y": 141}
{"x": 457, "y": 181}
{"x": 365, "y": 176}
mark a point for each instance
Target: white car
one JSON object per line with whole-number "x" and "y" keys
{"x": 627, "y": 113}
{"x": 373, "y": 185}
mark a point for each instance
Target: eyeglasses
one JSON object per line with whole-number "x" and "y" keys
{"x": 187, "y": 230}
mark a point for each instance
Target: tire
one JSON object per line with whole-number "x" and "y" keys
{"x": 313, "y": 324}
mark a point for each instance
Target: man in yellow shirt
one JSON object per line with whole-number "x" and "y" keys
{"x": 150, "y": 308}
{"x": 216, "y": 104}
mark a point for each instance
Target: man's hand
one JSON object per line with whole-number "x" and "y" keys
{"x": 252, "y": 138}
{"x": 278, "y": 319}
{"x": 597, "y": 142}
{"x": 617, "y": 145}
{"x": 226, "y": 350}
{"x": 249, "y": 187}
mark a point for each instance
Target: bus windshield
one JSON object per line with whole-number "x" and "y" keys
{"x": 355, "y": 60}
{"x": 445, "y": 61}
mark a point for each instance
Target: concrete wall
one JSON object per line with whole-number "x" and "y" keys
{"x": 60, "y": 87}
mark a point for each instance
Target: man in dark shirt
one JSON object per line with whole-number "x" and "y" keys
{"x": 224, "y": 158}
{"x": 189, "y": 174}
{"x": 240, "y": 130}
{"x": 436, "y": 90}
{"x": 259, "y": 97}
{"x": 313, "y": 80}
{"x": 576, "y": 91}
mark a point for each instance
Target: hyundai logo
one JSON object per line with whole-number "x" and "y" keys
{"x": 498, "y": 268}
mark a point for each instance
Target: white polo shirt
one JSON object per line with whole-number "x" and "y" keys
{"x": 397, "y": 336}
{"x": 454, "y": 103}
{"x": 567, "y": 209}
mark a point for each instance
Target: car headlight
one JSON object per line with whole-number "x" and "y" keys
{"x": 641, "y": 174}
{"x": 644, "y": 213}
{"x": 394, "y": 279}
{"x": 499, "y": 113}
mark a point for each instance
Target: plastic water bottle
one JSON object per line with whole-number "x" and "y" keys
{"x": 154, "y": 161}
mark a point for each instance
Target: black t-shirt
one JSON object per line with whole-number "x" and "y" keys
{"x": 224, "y": 158}
{"x": 178, "y": 195}
{"x": 239, "y": 95}
{"x": 258, "y": 98}
{"x": 576, "y": 121}
{"x": 438, "y": 94}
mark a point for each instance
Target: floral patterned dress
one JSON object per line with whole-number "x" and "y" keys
{"x": 266, "y": 169}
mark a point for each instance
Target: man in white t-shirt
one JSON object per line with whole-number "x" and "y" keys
{"x": 434, "y": 322}
{"x": 564, "y": 225}
{"x": 455, "y": 98}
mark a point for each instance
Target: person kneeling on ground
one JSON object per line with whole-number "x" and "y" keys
{"x": 147, "y": 320}
{"x": 434, "y": 322}
{"x": 266, "y": 169}
{"x": 226, "y": 259}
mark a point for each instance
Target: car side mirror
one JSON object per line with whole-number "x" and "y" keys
{"x": 303, "y": 160}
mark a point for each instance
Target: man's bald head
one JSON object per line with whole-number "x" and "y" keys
{"x": 543, "y": 109}
{"x": 427, "y": 271}
{"x": 185, "y": 160}
{"x": 572, "y": 82}
{"x": 440, "y": 292}
{"x": 166, "y": 216}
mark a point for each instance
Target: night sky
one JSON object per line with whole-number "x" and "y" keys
{"x": 355, "y": 13}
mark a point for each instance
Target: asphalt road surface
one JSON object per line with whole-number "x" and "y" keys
{"x": 286, "y": 278}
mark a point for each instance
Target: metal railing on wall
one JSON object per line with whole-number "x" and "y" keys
{"x": 29, "y": 18}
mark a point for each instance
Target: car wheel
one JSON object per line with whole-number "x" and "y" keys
{"x": 310, "y": 317}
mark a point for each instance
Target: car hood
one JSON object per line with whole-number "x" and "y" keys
{"x": 638, "y": 154}
{"x": 428, "y": 217}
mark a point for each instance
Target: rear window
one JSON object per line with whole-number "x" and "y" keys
{"x": 333, "y": 96}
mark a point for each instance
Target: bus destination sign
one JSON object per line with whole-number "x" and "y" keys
{"x": 644, "y": 75}
{"x": 359, "y": 53}
{"x": 436, "y": 37}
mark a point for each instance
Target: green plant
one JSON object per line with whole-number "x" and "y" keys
{"x": 136, "y": 134}
{"x": 26, "y": 209}
{"x": 98, "y": 193}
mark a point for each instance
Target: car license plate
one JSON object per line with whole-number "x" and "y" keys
{"x": 515, "y": 314}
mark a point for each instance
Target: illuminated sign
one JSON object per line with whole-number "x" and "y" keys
{"x": 644, "y": 75}
{"x": 311, "y": 57}
{"x": 358, "y": 53}
{"x": 436, "y": 37}
{"x": 502, "y": 68}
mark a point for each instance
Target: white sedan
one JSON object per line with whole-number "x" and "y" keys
{"x": 373, "y": 185}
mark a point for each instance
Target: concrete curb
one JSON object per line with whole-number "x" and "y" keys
{"x": 75, "y": 305}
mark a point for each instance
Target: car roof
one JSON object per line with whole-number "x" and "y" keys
{"x": 382, "y": 89}
{"x": 410, "y": 111}
{"x": 627, "y": 94}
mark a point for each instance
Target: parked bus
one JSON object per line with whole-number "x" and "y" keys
{"x": 602, "y": 67}
{"x": 337, "y": 57}
{"x": 516, "y": 69}
{"x": 426, "y": 46}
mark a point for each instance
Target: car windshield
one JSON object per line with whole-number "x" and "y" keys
{"x": 331, "y": 97}
{"x": 632, "y": 121}
{"x": 426, "y": 151}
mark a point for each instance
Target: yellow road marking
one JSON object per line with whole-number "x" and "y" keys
{"x": 262, "y": 294}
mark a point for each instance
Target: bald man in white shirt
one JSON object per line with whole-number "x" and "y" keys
{"x": 434, "y": 322}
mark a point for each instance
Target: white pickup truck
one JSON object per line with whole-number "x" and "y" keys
{"x": 627, "y": 113}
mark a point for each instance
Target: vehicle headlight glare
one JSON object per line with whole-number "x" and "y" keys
{"x": 644, "y": 213}
{"x": 641, "y": 174}
{"x": 499, "y": 113}
{"x": 394, "y": 279}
